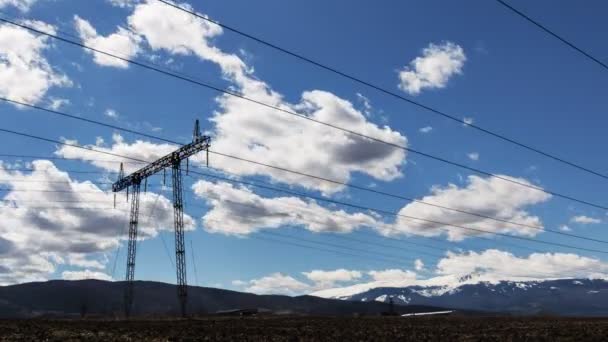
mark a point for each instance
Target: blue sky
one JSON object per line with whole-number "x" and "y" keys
{"x": 513, "y": 79}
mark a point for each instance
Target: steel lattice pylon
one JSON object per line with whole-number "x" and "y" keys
{"x": 180, "y": 247}
{"x": 132, "y": 248}
{"x": 133, "y": 181}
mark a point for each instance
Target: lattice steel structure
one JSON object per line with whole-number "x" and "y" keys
{"x": 132, "y": 183}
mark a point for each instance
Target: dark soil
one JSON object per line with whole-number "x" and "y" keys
{"x": 276, "y": 328}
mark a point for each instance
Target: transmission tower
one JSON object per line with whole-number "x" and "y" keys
{"x": 132, "y": 183}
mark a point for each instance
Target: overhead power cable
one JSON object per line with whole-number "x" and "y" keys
{"x": 302, "y": 116}
{"x": 325, "y": 179}
{"x": 551, "y": 33}
{"x": 401, "y": 97}
{"x": 320, "y": 198}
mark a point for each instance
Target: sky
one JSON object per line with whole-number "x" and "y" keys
{"x": 478, "y": 62}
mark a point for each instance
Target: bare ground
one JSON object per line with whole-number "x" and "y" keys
{"x": 311, "y": 329}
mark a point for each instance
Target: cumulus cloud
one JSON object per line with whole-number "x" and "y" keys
{"x": 438, "y": 63}
{"x": 57, "y": 103}
{"x": 325, "y": 279}
{"x": 124, "y": 3}
{"x": 22, "y": 5}
{"x": 63, "y": 221}
{"x": 491, "y": 196}
{"x": 426, "y": 129}
{"x": 243, "y": 128}
{"x": 239, "y": 211}
{"x": 25, "y": 74}
{"x": 582, "y": 219}
{"x": 86, "y": 274}
{"x": 277, "y": 283}
{"x": 111, "y": 113}
{"x": 492, "y": 265}
{"x": 495, "y": 265}
{"x": 419, "y": 265}
{"x": 139, "y": 150}
{"x": 122, "y": 43}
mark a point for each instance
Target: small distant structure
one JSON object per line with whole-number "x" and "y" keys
{"x": 434, "y": 313}
{"x": 391, "y": 308}
{"x": 237, "y": 312}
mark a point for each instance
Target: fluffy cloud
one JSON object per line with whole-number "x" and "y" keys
{"x": 418, "y": 265}
{"x": 453, "y": 270}
{"x": 392, "y": 275}
{"x": 325, "y": 279}
{"x": 122, "y": 43}
{"x": 86, "y": 274}
{"x": 582, "y": 219}
{"x": 25, "y": 74}
{"x": 124, "y": 3}
{"x": 433, "y": 69}
{"x": 488, "y": 266}
{"x": 22, "y": 5}
{"x": 239, "y": 211}
{"x": 243, "y": 128}
{"x": 140, "y": 150}
{"x": 276, "y": 283}
{"x": 491, "y": 196}
{"x": 66, "y": 222}
{"x": 495, "y": 265}
{"x": 426, "y": 129}
{"x": 111, "y": 113}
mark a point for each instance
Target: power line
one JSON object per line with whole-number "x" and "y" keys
{"x": 550, "y": 32}
{"x": 305, "y": 117}
{"x": 396, "y": 95}
{"x": 325, "y": 179}
{"x": 385, "y": 212}
{"x": 316, "y": 197}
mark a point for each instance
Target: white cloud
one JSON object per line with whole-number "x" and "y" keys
{"x": 418, "y": 265}
{"x": 57, "y": 103}
{"x": 86, "y": 274}
{"x": 391, "y": 275}
{"x": 277, "y": 283}
{"x": 122, "y": 43}
{"x": 488, "y": 266}
{"x": 25, "y": 74}
{"x": 139, "y": 150}
{"x": 239, "y": 211}
{"x": 111, "y": 113}
{"x": 564, "y": 228}
{"x": 582, "y": 219}
{"x": 52, "y": 232}
{"x": 495, "y": 265}
{"x": 468, "y": 121}
{"x": 22, "y": 5}
{"x": 473, "y": 156}
{"x": 243, "y": 128}
{"x": 426, "y": 129}
{"x": 325, "y": 279}
{"x": 238, "y": 283}
{"x": 124, "y": 3}
{"x": 491, "y": 196}
{"x": 433, "y": 70}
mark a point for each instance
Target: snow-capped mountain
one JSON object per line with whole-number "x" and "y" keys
{"x": 560, "y": 297}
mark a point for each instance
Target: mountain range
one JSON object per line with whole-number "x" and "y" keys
{"x": 565, "y": 297}
{"x": 62, "y": 298}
